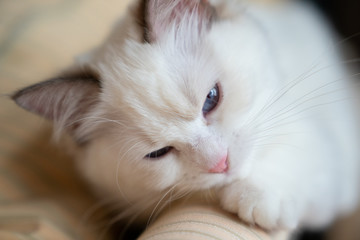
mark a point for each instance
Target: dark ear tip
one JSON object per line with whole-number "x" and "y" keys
{"x": 9, "y": 95}
{"x": 15, "y": 95}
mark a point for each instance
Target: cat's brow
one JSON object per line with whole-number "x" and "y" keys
{"x": 175, "y": 113}
{"x": 191, "y": 97}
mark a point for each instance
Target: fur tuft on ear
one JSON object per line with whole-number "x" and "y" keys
{"x": 64, "y": 100}
{"x": 160, "y": 15}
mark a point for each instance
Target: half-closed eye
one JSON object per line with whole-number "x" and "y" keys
{"x": 159, "y": 153}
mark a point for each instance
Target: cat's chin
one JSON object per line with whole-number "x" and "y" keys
{"x": 217, "y": 180}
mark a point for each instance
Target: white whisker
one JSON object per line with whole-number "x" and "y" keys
{"x": 280, "y": 124}
{"x": 159, "y": 202}
{"x": 118, "y": 168}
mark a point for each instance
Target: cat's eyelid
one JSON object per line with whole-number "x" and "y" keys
{"x": 162, "y": 152}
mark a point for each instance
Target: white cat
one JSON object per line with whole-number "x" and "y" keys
{"x": 249, "y": 101}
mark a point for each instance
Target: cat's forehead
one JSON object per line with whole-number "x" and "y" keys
{"x": 158, "y": 83}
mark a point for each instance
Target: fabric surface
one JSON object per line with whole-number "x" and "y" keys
{"x": 203, "y": 222}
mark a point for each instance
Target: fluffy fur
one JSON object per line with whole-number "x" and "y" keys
{"x": 285, "y": 119}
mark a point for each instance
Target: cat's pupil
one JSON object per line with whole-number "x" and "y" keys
{"x": 211, "y": 100}
{"x": 158, "y": 153}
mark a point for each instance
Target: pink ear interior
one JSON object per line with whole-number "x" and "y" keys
{"x": 161, "y": 14}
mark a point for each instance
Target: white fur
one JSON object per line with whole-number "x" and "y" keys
{"x": 285, "y": 117}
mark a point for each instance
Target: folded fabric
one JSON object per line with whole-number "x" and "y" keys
{"x": 204, "y": 222}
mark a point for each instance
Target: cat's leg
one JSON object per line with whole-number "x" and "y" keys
{"x": 266, "y": 207}
{"x": 287, "y": 185}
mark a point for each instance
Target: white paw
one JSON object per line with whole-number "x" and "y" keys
{"x": 267, "y": 208}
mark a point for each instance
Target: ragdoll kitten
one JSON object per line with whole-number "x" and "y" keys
{"x": 249, "y": 101}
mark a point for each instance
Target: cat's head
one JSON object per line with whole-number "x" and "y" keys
{"x": 164, "y": 102}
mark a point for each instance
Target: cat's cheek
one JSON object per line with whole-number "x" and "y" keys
{"x": 125, "y": 177}
{"x": 241, "y": 157}
{"x": 161, "y": 174}
{"x": 97, "y": 166}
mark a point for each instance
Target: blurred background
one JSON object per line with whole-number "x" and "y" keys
{"x": 39, "y": 38}
{"x": 345, "y": 17}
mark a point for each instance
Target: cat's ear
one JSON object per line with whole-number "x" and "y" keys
{"x": 159, "y": 15}
{"x": 64, "y": 100}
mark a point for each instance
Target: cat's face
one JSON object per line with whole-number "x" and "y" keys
{"x": 169, "y": 107}
{"x": 181, "y": 104}
{"x": 172, "y": 102}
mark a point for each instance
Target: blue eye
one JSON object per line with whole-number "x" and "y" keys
{"x": 211, "y": 100}
{"x": 158, "y": 153}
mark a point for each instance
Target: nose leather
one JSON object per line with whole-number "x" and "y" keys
{"x": 221, "y": 166}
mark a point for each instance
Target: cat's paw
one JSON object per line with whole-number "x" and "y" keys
{"x": 268, "y": 208}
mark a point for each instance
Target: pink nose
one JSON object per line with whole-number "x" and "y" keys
{"x": 221, "y": 166}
